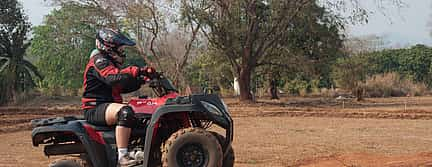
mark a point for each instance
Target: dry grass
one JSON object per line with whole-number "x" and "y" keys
{"x": 392, "y": 85}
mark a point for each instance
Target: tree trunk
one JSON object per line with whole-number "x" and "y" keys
{"x": 244, "y": 83}
{"x": 358, "y": 93}
{"x": 273, "y": 89}
{"x": 15, "y": 82}
{"x": 10, "y": 83}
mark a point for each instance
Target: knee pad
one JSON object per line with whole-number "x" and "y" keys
{"x": 126, "y": 117}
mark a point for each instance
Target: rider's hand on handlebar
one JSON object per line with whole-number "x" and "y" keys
{"x": 148, "y": 72}
{"x": 145, "y": 79}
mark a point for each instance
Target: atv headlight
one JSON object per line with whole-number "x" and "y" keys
{"x": 212, "y": 108}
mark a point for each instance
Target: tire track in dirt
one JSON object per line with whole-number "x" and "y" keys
{"x": 331, "y": 113}
{"x": 14, "y": 119}
{"x": 363, "y": 159}
{"x": 289, "y": 142}
{"x": 38, "y": 110}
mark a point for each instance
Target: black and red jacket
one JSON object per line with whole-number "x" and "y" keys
{"x": 104, "y": 81}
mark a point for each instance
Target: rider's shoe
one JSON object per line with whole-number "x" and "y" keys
{"x": 127, "y": 161}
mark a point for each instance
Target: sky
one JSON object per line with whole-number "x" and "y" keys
{"x": 36, "y": 9}
{"x": 399, "y": 26}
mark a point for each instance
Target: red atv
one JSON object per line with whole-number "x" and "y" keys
{"x": 173, "y": 131}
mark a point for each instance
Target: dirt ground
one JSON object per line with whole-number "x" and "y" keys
{"x": 288, "y": 132}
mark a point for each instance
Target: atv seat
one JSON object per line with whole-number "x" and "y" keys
{"x": 98, "y": 127}
{"x": 135, "y": 132}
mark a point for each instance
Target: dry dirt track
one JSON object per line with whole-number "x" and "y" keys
{"x": 286, "y": 134}
{"x": 275, "y": 141}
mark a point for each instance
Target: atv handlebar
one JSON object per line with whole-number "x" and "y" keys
{"x": 159, "y": 83}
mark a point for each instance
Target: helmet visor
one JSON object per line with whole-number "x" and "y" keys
{"x": 121, "y": 40}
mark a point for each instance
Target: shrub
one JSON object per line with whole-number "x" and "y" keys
{"x": 297, "y": 87}
{"x": 392, "y": 85}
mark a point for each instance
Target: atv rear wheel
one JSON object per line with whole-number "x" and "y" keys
{"x": 229, "y": 157}
{"x": 192, "y": 147}
{"x": 72, "y": 162}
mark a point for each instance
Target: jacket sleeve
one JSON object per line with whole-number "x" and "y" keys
{"x": 113, "y": 76}
{"x": 131, "y": 87}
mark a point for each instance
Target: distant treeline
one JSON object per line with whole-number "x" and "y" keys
{"x": 267, "y": 46}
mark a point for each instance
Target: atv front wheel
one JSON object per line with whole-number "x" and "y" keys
{"x": 192, "y": 147}
{"x": 73, "y": 162}
{"x": 229, "y": 157}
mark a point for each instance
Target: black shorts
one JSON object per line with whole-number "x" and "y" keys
{"x": 96, "y": 116}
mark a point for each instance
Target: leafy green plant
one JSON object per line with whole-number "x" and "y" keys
{"x": 62, "y": 47}
{"x": 17, "y": 73}
{"x": 297, "y": 87}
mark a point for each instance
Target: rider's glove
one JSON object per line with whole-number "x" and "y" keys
{"x": 147, "y": 70}
{"x": 149, "y": 73}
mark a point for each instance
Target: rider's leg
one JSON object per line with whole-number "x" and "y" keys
{"x": 122, "y": 116}
{"x": 122, "y": 133}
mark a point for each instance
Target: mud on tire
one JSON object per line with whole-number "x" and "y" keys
{"x": 229, "y": 157}
{"x": 192, "y": 147}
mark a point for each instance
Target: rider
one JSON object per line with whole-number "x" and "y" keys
{"x": 104, "y": 81}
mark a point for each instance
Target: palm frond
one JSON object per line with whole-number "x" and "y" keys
{"x": 3, "y": 49}
{"x": 5, "y": 64}
{"x": 32, "y": 68}
{"x": 28, "y": 81}
{"x": 4, "y": 42}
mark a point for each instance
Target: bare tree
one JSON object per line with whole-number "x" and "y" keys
{"x": 100, "y": 12}
{"x": 355, "y": 11}
{"x": 364, "y": 44}
{"x": 176, "y": 49}
{"x": 171, "y": 44}
{"x": 151, "y": 23}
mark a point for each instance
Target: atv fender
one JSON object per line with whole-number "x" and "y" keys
{"x": 95, "y": 151}
{"x": 176, "y": 108}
